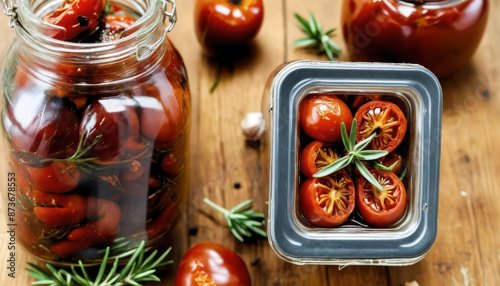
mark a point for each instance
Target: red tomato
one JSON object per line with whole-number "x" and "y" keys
{"x": 114, "y": 26}
{"x": 58, "y": 177}
{"x": 209, "y": 263}
{"x": 222, "y": 24}
{"x": 170, "y": 163}
{"x": 46, "y": 127}
{"x": 115, "y": 120}
{"x": 161, "y": 114}
{"x": 58, "y": 209}
{"x": 321, "y": 116}
{"x": 76, "y": 17}
{"x": 106, "y": 214}
{"x": 316, "y": 156}
{"x": 328, "y": 201}
{"x": 381, "y": 208}
{"x": 384, "y": 118}
{"x": 393, "y": 158}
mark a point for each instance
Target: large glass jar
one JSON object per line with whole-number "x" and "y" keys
{"x": 441, "y": 35}
{"x": 97, "y": 134}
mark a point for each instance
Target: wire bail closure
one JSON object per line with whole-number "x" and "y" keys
{"x": 9, "y": 9}
{"x": 143, "y": 52}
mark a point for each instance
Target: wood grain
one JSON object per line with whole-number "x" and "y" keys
{"x": 467, "y": 249}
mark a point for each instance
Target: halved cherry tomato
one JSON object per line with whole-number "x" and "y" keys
{"x": 381, "y": 208}
{"x": 321, "y": 116}
{"x": 328, "y": 201}
{"x": 210, "y": 263}
{"x": 58, "y": 209}
{"x": 58, "y": 177}
{"x": 393, "y": 158}
{"x": 384, "y": 118}
{"x": 316, "y": 156}
{"x": 76, "y": 16}
{"x": 222, "y": 24}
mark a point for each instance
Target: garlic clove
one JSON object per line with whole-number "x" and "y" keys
{"x": 253, "y": 126}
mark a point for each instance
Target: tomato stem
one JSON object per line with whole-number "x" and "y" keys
{"x": 235, "y": 2}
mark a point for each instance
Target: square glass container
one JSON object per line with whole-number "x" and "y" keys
{"x": 291, "y": 236}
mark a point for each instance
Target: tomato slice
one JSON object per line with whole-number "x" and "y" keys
{"x": 328, "y": 201}
{"x": 316, "y": 156}
{"x": 384, "y": 118}
{"x": 381, "y": 208}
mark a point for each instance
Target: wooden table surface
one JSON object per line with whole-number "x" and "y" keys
{"x": 467, "y": 249}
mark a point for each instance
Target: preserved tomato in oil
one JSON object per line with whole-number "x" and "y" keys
{"x": 440, "y": 35}
{"x": 97, "y": 132}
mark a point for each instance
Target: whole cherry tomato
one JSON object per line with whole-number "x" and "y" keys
{"x": 115, "y": 120}
{"x": 328, "y": 201}
{"x": 321, "y": 116}
{"x": 170, "y": 163}
{"x": 160, "y": 112}
{"x": 223, "y": 24}
{"x": 316, "y": 156}
{"x": 58, "y": 177}
{"x": 384, "y": 118}
{"x": 76, "y": 17}
{"x": 381, "y": 208}
{"x": 209, "y": 263}
{"x": 47, "y": 129}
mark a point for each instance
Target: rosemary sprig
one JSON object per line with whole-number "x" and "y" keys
{"x": 316, "y": 37}
{"x": 135, "y": 271}
{"x": 241, "y": 219}
{"x": 355, "y": 154}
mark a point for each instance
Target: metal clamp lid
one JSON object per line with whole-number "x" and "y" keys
{"x": 9, "y": 9}
{"x": 144, "y": 51}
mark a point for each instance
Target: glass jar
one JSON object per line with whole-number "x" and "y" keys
{"x": 440, "y": 35}
{"x": 97, "y": 134}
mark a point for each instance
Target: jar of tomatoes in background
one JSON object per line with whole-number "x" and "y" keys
{"x": 441, "y": 35}
{"x": 97, "y": 132}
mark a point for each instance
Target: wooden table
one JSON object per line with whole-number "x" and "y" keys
{"x": 467, "y": 249}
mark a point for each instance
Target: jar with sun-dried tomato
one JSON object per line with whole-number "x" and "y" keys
{"x": 441, "y": 35}
{"x": 96, "y": 116}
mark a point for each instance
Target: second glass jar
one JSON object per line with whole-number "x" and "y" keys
{"x": 441, "y": 35}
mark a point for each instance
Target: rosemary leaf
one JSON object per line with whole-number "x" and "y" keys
{"x": 368, "y": 176}
{"x": 334, "y": 167}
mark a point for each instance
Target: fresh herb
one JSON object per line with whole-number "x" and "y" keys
{"x": 138, "y": 269}
{"x": 241, "y": 219}
{"x": 355, "y": 154}
{"x": 316, "y": 37}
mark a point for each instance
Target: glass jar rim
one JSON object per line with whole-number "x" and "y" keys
{"x": 152, "y": 15}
